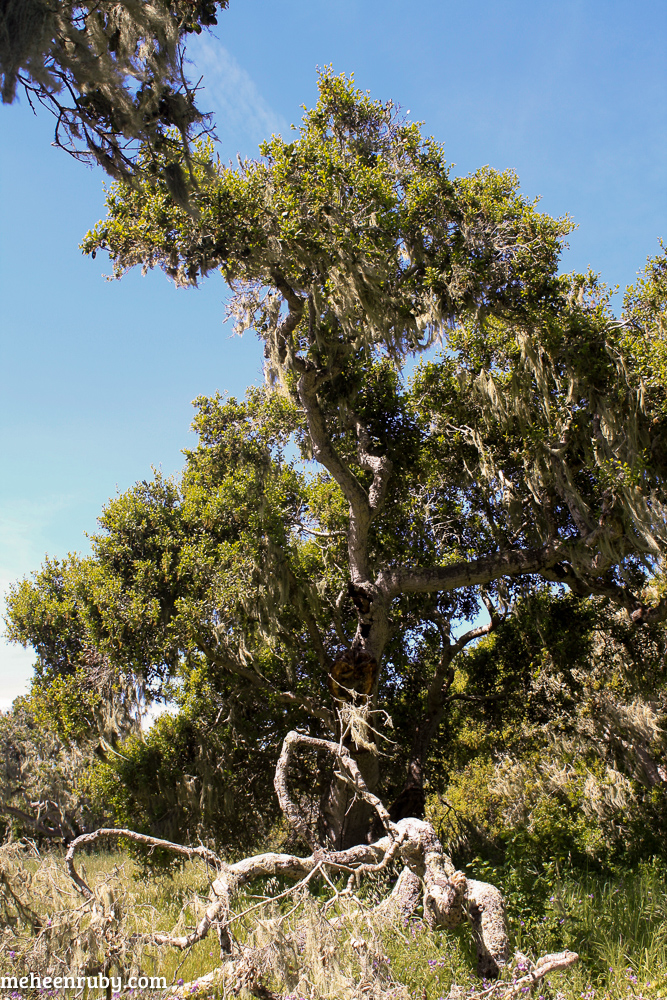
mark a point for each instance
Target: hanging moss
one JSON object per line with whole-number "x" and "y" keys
{"x": 111, "y": 72}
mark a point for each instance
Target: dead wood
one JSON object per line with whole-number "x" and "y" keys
{"x": 428, "y": 876}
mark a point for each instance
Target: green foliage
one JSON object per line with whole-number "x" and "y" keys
{"x": 67, "y": 705}
{"x": 616, "y": 925}
{"x": 192, "y": 777}
{"x": 529, "y": 453}
{"x": 531, "y": 431}
{"x": 360, "y": 210}
{"x": 534, "y": 417}
{"x": 171, "y": 555}
{"x": 194, "y": 593}
{"x": 565, "y": 762}
{"x": 48, "y": 612}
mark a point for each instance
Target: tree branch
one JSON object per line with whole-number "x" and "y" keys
{"x": 356, "y": 496}
{"x": 259, "y": 682}
{"x": 141, "y": 838}
{"x": 507, "y": 562}
{"x": 511, "y": 562}
{"x": 473, "y": 633}
{"x": 35, "y": 821}
{"x": 415, "y": 843}
{"x": 380, "y": 465}
{"x": 283, "y": 333}
{"x": 543, "y": 967}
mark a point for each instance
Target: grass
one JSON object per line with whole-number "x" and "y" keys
{"x": 618, "y": 926}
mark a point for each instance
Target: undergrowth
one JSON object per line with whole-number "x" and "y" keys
{"x": 617, "y": 924}
{"x": 319, "y": 949}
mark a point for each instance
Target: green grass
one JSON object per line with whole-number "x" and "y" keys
{"x": 614, "y": 924}
{"x": 618, "y": 926}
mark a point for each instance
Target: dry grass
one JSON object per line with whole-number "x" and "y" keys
{"x": 304, "y": 946}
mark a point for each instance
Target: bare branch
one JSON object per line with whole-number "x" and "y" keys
{"x": 140, "y": 838}
{"x": 325, "y": 453}
{"x": 36, "y": 822}
{"x": 473, "y": 633}
{"x": 510, "y": 562}
{"x": 349, "y": 773}
{"x": 412, "y": 841}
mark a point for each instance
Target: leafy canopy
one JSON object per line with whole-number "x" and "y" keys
{"x": 352, "y": 506}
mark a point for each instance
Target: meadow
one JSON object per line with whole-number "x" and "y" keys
{"x": 320, "y": 948}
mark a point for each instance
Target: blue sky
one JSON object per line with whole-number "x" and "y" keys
{"x": 96, "y": 377}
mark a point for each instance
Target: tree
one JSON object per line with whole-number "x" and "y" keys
{"x": 531, "y": 449}
{"x": 112, "y": 74}
{"x": 50, "y": 743}
{"x": 566, "y": 761}
{"x": 39, "y": 775}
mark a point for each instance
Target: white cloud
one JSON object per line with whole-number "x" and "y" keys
{"x": 15, "y": 673}
{"x": 241, "y": 114}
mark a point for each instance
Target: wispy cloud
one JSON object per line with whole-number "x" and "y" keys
{"x": 241, "y": 114}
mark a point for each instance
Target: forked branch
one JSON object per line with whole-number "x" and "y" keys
{"x": 448, "y": 896}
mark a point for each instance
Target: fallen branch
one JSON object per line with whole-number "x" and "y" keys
{"x": 448, "y": 896}
{"x": 140, "y": 838}
{"x": 505, "y": 991}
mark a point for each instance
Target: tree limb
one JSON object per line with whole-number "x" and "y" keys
{"x": 257, "y": 681}
{"x": 356, "y": 496}
{"x": 380, "y": 465}
{"x": 587, "y": 586}
{"x": 141, "y": 838}
{"x": 543, "y": 967}
{"x": 511, "y": 562}
{"x": 35, "y": 821}
{"x": 411, "y": 840}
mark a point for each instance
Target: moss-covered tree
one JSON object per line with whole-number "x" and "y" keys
{"x": 111, "y": 72}
{"x": 532, "y": 448}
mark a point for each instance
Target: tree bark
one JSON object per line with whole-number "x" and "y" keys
{"x": 346, "y": 819}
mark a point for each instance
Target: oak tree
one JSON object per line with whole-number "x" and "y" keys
{"x": 338, "y": 538}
